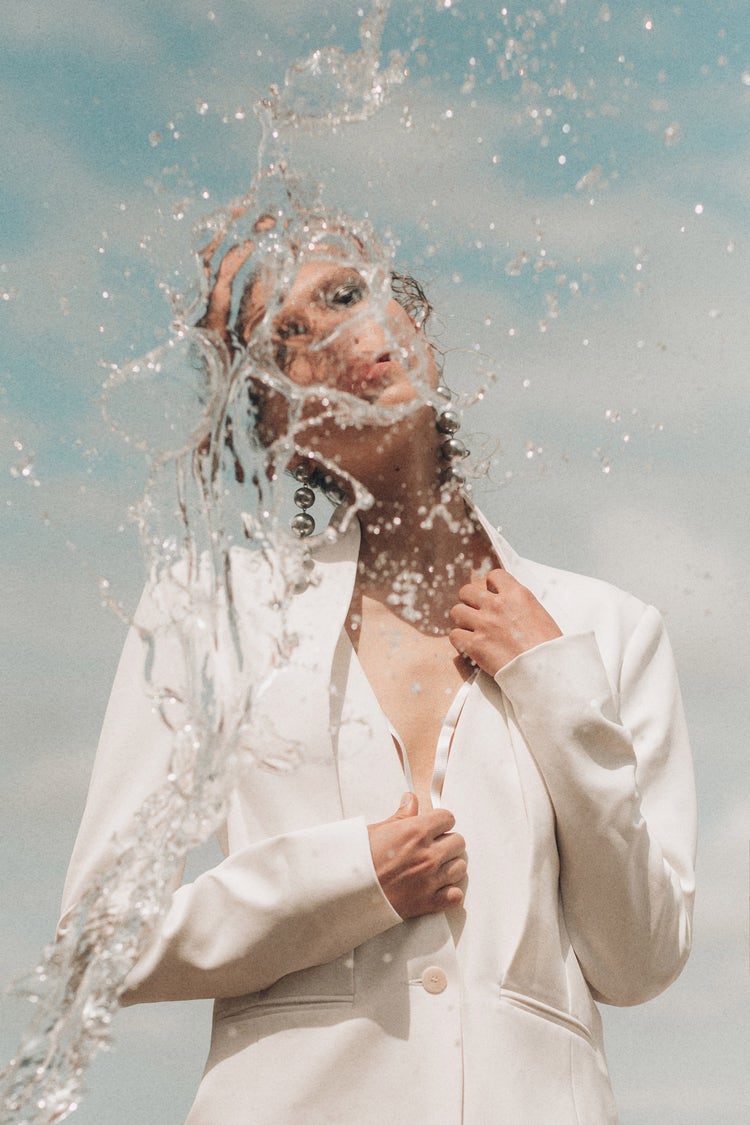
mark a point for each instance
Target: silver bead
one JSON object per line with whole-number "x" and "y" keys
{"x": 453, "y": 450}
{"x": 303, "y": 525}
{"x": 304, "y": 497}
{"x": 448, "y": 422}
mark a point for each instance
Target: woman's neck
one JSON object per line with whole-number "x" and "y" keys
{"x": 417, "y": 550}
{"x": 420, "y": 539}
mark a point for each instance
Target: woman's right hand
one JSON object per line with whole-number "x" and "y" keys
{"x": 418, "y": 860}
{"x": 217, "y": 317}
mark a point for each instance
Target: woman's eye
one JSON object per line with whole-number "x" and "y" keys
{"x": 350, "y": 293}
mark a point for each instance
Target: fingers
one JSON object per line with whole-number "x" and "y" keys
{"x": 419, "y": 861}
{"x": 409, "y": 807}
{"x": 498, "y": 619}
{"x": 208, "y": 251}
{"x": 496, "y": 580}
{"x": 465, "y": 620}
{"x": 453, "y": 872}
{"x": 443, "y": 890}
{"x": 450, "y": 847}
{"x": 432, "y": 832}
{"x": 463, "y": 616}
{"x": 474, "y": 594}
{"x": 219, "y": 308}
{"x": 448, "y": 898}
{"x": 434, "y": 823}
{"x": 210, "y": 248}
{"x": 448, "y": 892}
{"x": 437, "y": 822}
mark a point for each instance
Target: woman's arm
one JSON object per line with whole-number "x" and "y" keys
{"x": 620, "y": 779}
{"x": 279, "y": 905}
{"x": 272, "y": 908}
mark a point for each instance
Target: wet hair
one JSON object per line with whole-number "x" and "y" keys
{"x": 412, "y": 297}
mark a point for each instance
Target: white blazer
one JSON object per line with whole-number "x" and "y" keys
{"x": 569, "y": 776}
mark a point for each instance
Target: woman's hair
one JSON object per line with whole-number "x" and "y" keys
{"x": 412, "y": 297}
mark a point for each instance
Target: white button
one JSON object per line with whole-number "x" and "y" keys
{"x": 434, "y": 980}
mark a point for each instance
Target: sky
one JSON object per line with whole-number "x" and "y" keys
{"x": 571, "y": 181}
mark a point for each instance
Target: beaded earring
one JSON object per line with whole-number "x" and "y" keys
{"x": 305, "y": 496}
{"x": 452, "y": 449}
{"x": 303, "y": 523}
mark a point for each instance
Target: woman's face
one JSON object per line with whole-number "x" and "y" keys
{"x": 330, "y": 332}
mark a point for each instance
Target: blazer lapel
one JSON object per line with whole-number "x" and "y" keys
{"x": 288, "y": 728}
{"x": 371, "y": 776}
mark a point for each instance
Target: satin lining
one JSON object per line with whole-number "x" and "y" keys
{"x": 444, "y": 742}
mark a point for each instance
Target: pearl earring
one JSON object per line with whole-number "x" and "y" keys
{"x": 303, "y": 523}
{"x": 452, "y": 450}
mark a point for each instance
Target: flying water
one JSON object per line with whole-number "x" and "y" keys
{"x": 214, "y": 487}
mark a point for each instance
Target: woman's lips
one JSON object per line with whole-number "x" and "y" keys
{"x": 381, "y": 368}
{"x": 368, "y": 380}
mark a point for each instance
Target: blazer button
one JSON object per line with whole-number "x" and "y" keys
{"x": 434, "y": 980}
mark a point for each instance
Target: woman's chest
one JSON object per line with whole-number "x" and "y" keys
{"x": 415, "y": 678}
{"x": 338, "y": 759}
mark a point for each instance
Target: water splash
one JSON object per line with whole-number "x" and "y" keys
{"x": 213, "y": 486}
{"x": 331, "y": 88}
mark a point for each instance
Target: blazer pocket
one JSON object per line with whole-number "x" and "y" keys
{"x": 548, "y": 1012}
{"x": 332, "y": 983}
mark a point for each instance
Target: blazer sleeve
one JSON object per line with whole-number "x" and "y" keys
{"x": 617, "y": 766}
{"x": 283, "y": 904}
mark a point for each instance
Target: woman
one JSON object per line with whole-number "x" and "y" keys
{"x": 491, "y": 824}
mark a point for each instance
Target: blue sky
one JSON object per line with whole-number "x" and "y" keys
{"x": 580, "y": 212}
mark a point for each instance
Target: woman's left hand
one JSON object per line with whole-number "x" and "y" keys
{"x": 497, "y": 619}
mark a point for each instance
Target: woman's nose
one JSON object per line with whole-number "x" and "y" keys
{"x": 370, "y": 338}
